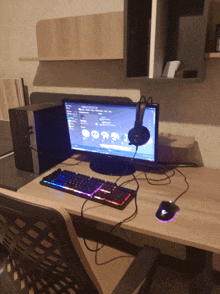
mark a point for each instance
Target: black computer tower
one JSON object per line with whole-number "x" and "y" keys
{"x": 40, "y": 136}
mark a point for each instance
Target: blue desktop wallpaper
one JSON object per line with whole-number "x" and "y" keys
{"x": 104, "y": 128}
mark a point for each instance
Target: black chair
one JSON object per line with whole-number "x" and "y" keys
{"x": 41, "y": 253}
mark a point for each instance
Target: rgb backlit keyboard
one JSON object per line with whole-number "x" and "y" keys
{"x": 94, "y": 189}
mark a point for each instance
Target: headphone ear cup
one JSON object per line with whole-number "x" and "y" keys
{"x": 138, "y": 135}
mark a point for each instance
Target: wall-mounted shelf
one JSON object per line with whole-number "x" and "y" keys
{"x": 214, "y": 19}
{"x": 147, "y": 35}
{"x": 212, "y": 55}
{"x": 48, "y": 59}
{"x": 158, "y": 31}
{"x": 87, "y": 37}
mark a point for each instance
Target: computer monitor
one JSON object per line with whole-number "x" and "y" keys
{"x": 100, "y": 130}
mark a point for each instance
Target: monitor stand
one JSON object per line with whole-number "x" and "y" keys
{"x": 113, "y": 167}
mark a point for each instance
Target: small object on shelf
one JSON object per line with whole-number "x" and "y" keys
{"x": 171, "y": 68}
{"x": 218, "y": 38}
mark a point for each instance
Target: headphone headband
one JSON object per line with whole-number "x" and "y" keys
{"x": 139, "y": 135}
{"x": 140, "y": 108}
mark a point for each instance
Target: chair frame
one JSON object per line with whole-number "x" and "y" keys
{"x": 42, "y": 250}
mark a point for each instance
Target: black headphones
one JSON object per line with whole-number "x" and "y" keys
{"x": 139, "y": 135}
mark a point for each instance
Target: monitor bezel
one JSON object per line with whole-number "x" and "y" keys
{"x": 91, "y": 154}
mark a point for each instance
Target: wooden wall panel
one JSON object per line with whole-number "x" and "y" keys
{"x": 11, "y": 95}
{"x": 87, "y": 37}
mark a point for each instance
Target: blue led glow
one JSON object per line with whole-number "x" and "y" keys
{"x": 71, "y": 189}
{"x": 164, "y": 211}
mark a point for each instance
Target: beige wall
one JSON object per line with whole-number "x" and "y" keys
{"x": 185, "y": 109}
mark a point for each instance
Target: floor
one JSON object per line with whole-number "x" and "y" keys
{"x": 167, "y": 281}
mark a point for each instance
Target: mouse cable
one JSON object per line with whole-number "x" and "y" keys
{"x": 187, "y": 185}
{"x": 154, "y": 182}
{"x": 174, "y": 169}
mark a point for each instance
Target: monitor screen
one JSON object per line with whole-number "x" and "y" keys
{"x": 102, "y": 129}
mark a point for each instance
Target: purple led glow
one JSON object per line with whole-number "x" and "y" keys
{"x": 168, "y": 221}
{"x": 71, "y": 189}
{"x": 97, "y": 189}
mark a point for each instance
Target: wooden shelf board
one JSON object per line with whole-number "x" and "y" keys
{"x": 207, "y": 55}
{"x": 163, "y": 80}
{"x": 212, "y": 55}
{"x": 62, "y": 59}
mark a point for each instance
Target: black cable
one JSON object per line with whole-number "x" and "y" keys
{"x": 187, "y": 188}
{"x": 92, "y": 250}
{"x": 131, "y": 217}
{"x": 154, "y": 180}
{"x": 151, "y": 100}
{"x": 143, "y": 98}
{"x": 110, "y": 260}
{"x": 148, "y": 101}
{"x": 136, "y": 208}
{"x": 118, "y": 224}
{"x": 175, "y": 168}
{"x": 187, "y": 184}
{"x": 150, "y": 180}
{"x": 127, "y": 167}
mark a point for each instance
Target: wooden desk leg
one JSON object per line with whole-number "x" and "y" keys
{"x": 195, "y": 260}
{"x": 193, "y": 264}
{"x": 216, "y": 276}
{"x": 203, "y": 282}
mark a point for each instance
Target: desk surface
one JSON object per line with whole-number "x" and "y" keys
{"x": 10, "y": 177}
{"x": 196, "y": 225}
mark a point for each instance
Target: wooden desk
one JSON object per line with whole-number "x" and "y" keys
{"x": 10, "y": 177}
{"x": 196, "y": 225}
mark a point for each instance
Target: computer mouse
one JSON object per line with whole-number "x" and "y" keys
{"x": 167, "y": 211}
